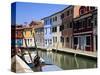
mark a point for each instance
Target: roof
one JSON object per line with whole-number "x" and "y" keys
{"x": 57, "y": 12}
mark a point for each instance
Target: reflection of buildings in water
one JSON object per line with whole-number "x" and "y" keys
{"x": 50, "y": 56}
{"x": 67, "y": 61}
{"x": 82, "y": 63}
{"x": 57, "y": 58}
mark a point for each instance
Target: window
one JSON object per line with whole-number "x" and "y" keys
{"x": 80, "y": 24}
{"x": 92, "y": 8}
{"x": 87, "y": 8}
{"x": 67, "y": 13}
{"x": 45, "y": 30}
{"x": 82, "y": 10}
{"x": 67, "y": 39}
{"x": 30, "y": 40}
{"x": 70, "y": 24}
{"x": 84, "y": 22}
{"x": 76, "y": 40}
{"x": 45, "y": 41}
{"x": 54, "y": 29}
{"x": 45, "y": 22}
{"x": 61, "y": 27}
{"x": 62, "y": 16}
{"x": 50, "y": 20}
{"x": 88, "y": 40}
{"x": 77, "y": 25}
{"x": 50, "y": 30}
{"x": 74, "y": 26}
{"x": 55, "y": 18}
{"x": 54, "y": 39}
{"x": 50, "y": 42}
{"x": 89, "y": 21}
{"x": 62, "y": 39}
{"x": 95, "y": 20}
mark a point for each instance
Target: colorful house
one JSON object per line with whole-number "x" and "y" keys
{"x": 28, "y": 37}
{"x": 39, "y": 32}
{"x": 83, "y": 29}
{"x": 56, "y": 30}
{"x": 19, "y": 36}
{"x": 47, "y": 32}
{"x": 67, "y": 32}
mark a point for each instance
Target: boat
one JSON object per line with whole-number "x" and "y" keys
{"x": 46, "y": 66}
{"x": 28, "y": 60}
{"x": 36, "y": 62}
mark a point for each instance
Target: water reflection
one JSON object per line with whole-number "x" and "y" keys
{"x": 67, "y": 61}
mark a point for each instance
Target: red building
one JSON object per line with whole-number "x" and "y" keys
{"x": 83, "y": 29}
{"x": 67, "y": 19}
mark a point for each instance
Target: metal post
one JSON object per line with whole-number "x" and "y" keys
{"x": 35, "y": 44}
{"x": 28, "y": 52}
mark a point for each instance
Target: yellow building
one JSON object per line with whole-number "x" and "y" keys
{"x": 28, "y": 37}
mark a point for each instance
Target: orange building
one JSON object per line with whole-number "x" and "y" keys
{"x": 28, "y": 37}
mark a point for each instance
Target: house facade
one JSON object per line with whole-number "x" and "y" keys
{"x": 39, "y": 32}
{"x": 28, "y": 37}
{"x": 67, "y": 33}
{"x": 47, "y": 32}
{"x": 83, "y": 29}
{"x": 56, "y": 30}
{"x": 19, "y": 36}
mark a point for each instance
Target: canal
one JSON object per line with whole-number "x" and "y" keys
{"x": 67, "y": 61}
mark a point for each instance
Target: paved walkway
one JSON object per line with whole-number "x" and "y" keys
{"x": 80, "y": 52}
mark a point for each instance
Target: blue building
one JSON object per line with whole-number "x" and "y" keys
{"x": 47, "y": 32}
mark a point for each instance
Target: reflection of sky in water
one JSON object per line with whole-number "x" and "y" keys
{"x": 67, "y": 61}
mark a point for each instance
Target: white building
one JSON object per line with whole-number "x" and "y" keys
{"x": 56, "y": 30}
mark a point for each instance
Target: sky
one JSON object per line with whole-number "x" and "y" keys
{"x": 26, "y": 12}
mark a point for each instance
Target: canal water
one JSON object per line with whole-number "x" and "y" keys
{"x": 67, "y": 61}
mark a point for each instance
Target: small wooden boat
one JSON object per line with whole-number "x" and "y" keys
{"x": 28, "y": 60}
{"x": 45, "y": 66}
{"x": 36, "y": 62}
